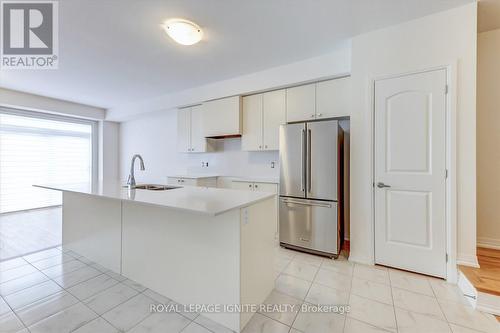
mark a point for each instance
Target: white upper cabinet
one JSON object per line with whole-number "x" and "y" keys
{"x": 222, "y": 117}
{"x": 190, "y": 134}
{"x": 198, "y": 141}
{"x": 262, "y": 116}
{"x": 252, "y": 123}
{"x": 274, "y": 115}
{"x": 301, "y": 103}
{"x": 184, "y": 130}
{"x": 332, "y": 98}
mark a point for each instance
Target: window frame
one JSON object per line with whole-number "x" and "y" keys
{"x": 75, "y": 120}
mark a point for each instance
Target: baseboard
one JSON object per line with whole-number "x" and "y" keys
{"x": 489, "y": 243}
{"x": 467, "y": 260}
{"x": 488, "y": 303}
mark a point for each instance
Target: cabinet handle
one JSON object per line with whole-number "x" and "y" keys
{"x": 320, "y": 114}
{"x": 260, "y": 147}
{"x": 312, "y": 116}
{"x": 249, "y": 185}
{"x": 265, "y": 146}
{"x": 256, "y": 185}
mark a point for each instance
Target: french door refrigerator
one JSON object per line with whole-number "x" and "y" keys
{"x": 309, "y": 186}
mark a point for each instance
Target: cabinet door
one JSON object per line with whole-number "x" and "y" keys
{"x": 274, "y": 115}
{"x": 184, "y": 130}
{"x": 252, "y": 123}
{"x": 301, "y": 103}
{"x": 242, "y": 186}
{"x": 266, "y": 187}
{"x": 198, "y": 141}
{"x": 332, "y": 98}
{"x": 222, "y": 117}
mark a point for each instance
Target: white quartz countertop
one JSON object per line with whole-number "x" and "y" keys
{"x": 256, "y": 180}
{"x": 193, "y": 176}
{"x": 201, "y": 200}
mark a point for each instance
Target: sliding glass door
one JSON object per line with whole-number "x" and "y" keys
{"x": 41, "y": 149}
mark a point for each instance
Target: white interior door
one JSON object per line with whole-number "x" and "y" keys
{"x": 410, "y": 162}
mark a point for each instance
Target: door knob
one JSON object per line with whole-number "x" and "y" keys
{"x": 382, "y": 185}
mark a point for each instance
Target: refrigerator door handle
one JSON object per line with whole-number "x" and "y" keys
{"x": 302, "y": 173}
{"x": 306, "y": 203}
{"x": 309, "y": 161}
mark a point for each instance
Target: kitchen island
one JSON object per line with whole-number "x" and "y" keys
{"x": 204, "y": 246}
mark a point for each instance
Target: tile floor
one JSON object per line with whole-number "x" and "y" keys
{"x": 38, "y": 229}
{"x": 60, "y": 291}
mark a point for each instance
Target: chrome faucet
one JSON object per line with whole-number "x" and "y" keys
{"x": 131, "y": 178}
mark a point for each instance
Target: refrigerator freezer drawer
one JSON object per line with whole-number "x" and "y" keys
{"x": 309, "y": 224}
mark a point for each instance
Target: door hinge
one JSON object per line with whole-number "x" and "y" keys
{"x": 446, "y": 174}
{"x": 446, "y": 89}
{"x": 446, "y": 257}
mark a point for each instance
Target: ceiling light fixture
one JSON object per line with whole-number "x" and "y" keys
{"x": 183, "y": 31}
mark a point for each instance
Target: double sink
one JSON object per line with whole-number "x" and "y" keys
{"x": 153, "y": 187}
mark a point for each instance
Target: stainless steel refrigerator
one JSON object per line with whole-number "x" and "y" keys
{"x": 310, "y": 186}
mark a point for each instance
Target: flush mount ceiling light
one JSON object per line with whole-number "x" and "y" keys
{"x": 183, "y": 31}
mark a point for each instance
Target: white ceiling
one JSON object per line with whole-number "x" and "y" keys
{"x": 114, "y": 52}
{"x": 488, "y": 15}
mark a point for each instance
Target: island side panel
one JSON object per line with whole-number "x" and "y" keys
{"x": 257, "y": 253}
{"x": 92, "y": 227}
{"x": 188, "y": 257}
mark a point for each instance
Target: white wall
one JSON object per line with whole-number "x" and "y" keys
{"x": 488, "y": 137}
{"x": 435, "y": 40}
{"x": 155, "y": 137}
{"x": 26, "y": 101}
{"x": 108, "y": 150}
{"x": 336, "y": 63}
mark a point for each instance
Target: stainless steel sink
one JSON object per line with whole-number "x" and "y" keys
{"x": 154, "y": 187}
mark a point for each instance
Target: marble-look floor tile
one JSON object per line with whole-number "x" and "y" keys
{"x": 285, "y": 253}
{"x": 321, "y": 294}
{"x": 12, "y": 263}
{"x": 32, "y": 294}
{"x": 447, "y": 291}
{"x": 162, "y": 322}
{"x": 280, "y": 263}
{"x": 109, "y": 298}
{"x": 333, "y": 279}
{"x": 375, "y": 313}
{"x": 301, "y": 270}
{"x": 418, "y": 303}
{"x": 63, "y": 268}
{"x": 262, "y": 324}
{"x": 97, "y": 325}
{"x": 184, "y": 311}
{"x": 86, "y": 261}
{"x": 42, "y": 255}
{"x": 339, "y": 266}
{"x": 128, "y": 314}
{"x": 292, "y": 307}
{"x": 17, "y": 272}
{"x": 410, "y": 322}
{"x": 356, "y": 326}
{"x": 156, "y": 296}
{"x": 211, "y": 325}
{"x": 372, "y": 272}
{"x": 195, "y": 328}
{"x": 409, "y": 281}
{"x": 310, "y": 322}
{"x": 372, "y": 290}
{"x": 468, "y": 317}
{"x": 461, "y": 329}
{"x": 45, "y": 307}
{"x": 73, "y": 254}
{"x": 21, "y": 283}
{"x": 52, "y": 261}
{"x": 92, "y": 286}
{"x": 71, "y": 279}
{"x": 10, "y": 323}
{"x": 308, "y": 258}
{"x": 292, "y": 286}
{"x": 65, "y": 321}
{"x": 134, "y": 285}
{"x": 4, "y": 308}
{"x": 99, "y": 267}
{"x": 115, "y": 275}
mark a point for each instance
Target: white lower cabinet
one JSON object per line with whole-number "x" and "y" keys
{"x": 187, "y": 181}
{"x": 261, "y": 187}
